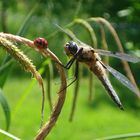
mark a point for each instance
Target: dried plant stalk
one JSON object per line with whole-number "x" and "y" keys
{"x": 44, "y": 131}
{"x": 16, "y": 38}
{"x": 92, "y": 34}
{"x": 72, "y": 35}
{"x": 59, "y": 104}
{"x": 90, "y": 30}
{"x": 120, "y": 47}
{"x": 21, "y": 57}
{"x": 104, "y": 43}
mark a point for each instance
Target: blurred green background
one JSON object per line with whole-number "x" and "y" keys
{"x": 99, "y": 118}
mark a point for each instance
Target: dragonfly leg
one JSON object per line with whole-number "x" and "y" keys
{"x": 75, "y": 75}
{"x": 71, "y": 61}
{"x": 75, "y": 93}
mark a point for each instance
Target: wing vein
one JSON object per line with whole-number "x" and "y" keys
{"x": 123, "y": 79}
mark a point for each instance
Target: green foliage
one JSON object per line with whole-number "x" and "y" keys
{"x": 99, "y": 118}
{"x": 8, "y": 135}
{"x": 5, "y": 68}
{"x": 6, "y": 109}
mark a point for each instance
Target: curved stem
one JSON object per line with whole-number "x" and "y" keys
{"x": 61, "y": 98}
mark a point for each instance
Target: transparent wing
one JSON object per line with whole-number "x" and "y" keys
{"x": 118, "y": 55}
{"x": 122, "y": 56}
{"x": 124, "y": 80}
{"x": 71, "y": 36}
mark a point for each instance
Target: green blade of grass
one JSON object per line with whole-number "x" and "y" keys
{"x": 5, "y": 68}
{"x": 26, "y": 22}
{"x": 8, "y": 134}
{"x": 3, "y": 78}
{"x": 23, "y": 97}
{"x": 21, "y": 31}
{"x": 6, "y": 109}
{"x": 6, "y": 65}
{"x": 24, "y": 26}
{"x": 49, "y": 74}
{"x": 26, "y": 93}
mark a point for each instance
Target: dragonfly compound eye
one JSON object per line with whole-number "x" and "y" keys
{"x": 71, "y": 48}
{"x": 41, "y": 43}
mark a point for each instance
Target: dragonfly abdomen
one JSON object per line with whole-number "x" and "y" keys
{"x": 100, "y": 72}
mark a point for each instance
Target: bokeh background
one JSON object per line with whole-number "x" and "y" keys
{"x": 94, "y": 119}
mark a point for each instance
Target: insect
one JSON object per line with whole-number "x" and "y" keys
{"x": 40, "y": 43}
{"x": 84, "y": 53}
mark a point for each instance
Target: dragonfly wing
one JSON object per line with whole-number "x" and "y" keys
{"x": 123, "y": 79}
{"x": 71, "y": 36}
{"x": 67, "y": 33}
{"x": 122, "y": 56}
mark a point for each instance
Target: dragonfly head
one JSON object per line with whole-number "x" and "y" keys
{"x": 71, "y": 48}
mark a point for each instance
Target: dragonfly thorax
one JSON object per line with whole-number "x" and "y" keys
{"x": 71, "y": 48}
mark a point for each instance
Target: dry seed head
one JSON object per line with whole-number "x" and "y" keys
{"x": 18, "y": 55}
{"x": 25, "y": 62}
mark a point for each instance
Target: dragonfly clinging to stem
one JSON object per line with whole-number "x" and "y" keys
{"x": 81, "y": 52}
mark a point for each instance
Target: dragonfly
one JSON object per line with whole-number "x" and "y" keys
{"x": 83, "y": 53}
